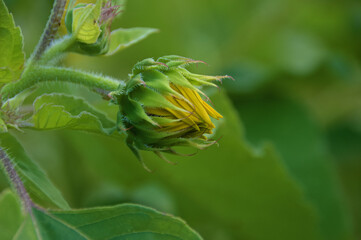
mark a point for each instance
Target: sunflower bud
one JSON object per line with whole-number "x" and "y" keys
{"x": 90, "y": 23}
{"x": 161, "y": 106}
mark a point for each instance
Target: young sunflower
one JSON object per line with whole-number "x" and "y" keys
{"x": 162, "y": 107}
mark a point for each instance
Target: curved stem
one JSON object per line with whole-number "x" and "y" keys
{"x": 57, "y": 48}
{"x": 40, "y": 74}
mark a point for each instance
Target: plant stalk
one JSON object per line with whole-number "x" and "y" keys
{"x": 50, "y": 30}
{"x": 41, "y": 74}
{"x": 16, "y": 181}
{"x": 56, "y": 49}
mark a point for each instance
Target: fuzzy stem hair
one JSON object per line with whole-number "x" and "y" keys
{"x": 50, "y": 30}
{"x": 16, "y": 181}
{"x": 41, "y": 74}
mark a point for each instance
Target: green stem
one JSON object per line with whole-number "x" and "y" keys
{"x": 50, "y": 30}
{"x": 40, "y": 74}
{"x": 56, "y": 49}
{"x": 15, "y": 180}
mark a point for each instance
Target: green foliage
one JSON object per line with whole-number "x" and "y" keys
{"x": 11, "y": 47}
{"x": 127, "y": 221}
{"x": 11, "y": 216}
{"x": 134, "y": 222}
{"x": 59, "y": 111}
{"x": 123, "y": 38}
{"x": 36, "y": 182}
{"x": 297, "y": 92}
{"x": 256, "y": 190}
{"x": 310, "y": 167}
{"x": 119, "y": 222}
{"x": 230, "y": 190}
{"x": 26, "y": 230}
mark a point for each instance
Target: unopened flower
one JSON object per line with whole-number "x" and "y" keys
{"x": 90, "y": 22}
{"x": 162, "y": 106}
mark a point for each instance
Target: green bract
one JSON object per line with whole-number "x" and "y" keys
{"x": 161, "y": 106}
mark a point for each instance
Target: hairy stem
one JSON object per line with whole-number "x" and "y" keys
{"x": 16, "y": 181}
{"x": 51, "y": 29}
{"x": 56, "y": 49}
{"x": 41, "y": 74}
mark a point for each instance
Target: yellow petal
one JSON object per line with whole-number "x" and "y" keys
{"x": 174, "y": 127}
{"x": 184, "y": 116}
{"x": 194, "y": 97}
{"x": 213, "y": 113}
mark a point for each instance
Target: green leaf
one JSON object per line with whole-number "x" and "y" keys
{"x": 26, "y": 230}
{"x": 301, "y": 146}
{"x": 36, "y": 182}
{"x": 13, "y": 104}
{"x": 125, "y": 221}
{"x": 11, "y": 47}
{"x": 123, "y": 38}
{"x": 85, "y": 23}
{"x": 59, "y": 111}
{"x": 50, "y": 227}
{"x": 10, "y": 215}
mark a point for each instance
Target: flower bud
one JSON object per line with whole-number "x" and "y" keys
{"x": 90, "y": 22}
{"x": 161, "y": 106}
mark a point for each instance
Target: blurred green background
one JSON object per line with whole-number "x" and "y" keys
{"x": 288, "y": 165}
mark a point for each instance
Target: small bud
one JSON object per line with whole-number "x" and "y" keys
{"x": 161, "y": 106}
{"x": 90, "y": 21}
{"x": 91, "y": 25}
